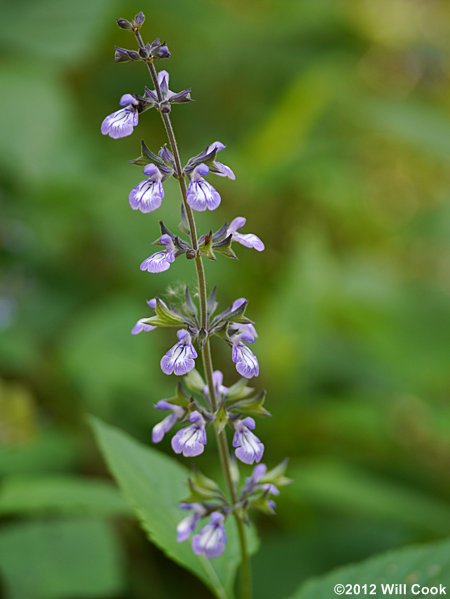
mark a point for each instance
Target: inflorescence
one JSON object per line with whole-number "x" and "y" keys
{"x": 192, "y": 406}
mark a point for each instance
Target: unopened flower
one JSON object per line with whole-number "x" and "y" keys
{"x": 142, "y": 326}
{"x": 147, "y": 195}
{"x": 161, "y": 261}
{"x": 219, "y": 389}
{"x": 248, "y": 448}
{"x": 201, "y": 195}
{"x": 208, "y": 157}
{"x": 210, "y": 541}
{"x": 248, "y": 240}
{"x": 187, "y": 526}
{"x": 180, "y": 358}
{"x": 160, "y": 429}
{"x": 191, "y": 441}
{"x": 122, "y": 122}
{"x": 167, "y": 96}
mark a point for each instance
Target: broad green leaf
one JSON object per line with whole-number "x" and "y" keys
{"x": 427, "y": 565}
{"x": 154, "y": 484}
{"x": 60, "y": 560}
{"x": 65, "y": 494}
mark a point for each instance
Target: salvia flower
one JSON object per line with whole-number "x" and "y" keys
{"x": 163, "y": 427}
{"x": 142, "y": 326}
{"x": 248, "y": 448}
{"x": 248, "y": 240}
{"x": 180, "y": 358}
{"x": 168, "y": 97}
{"x": 211, "y": 539}
{"x": 161, "y": 261}
{"x": 245, "y": 360}
{"x": 122, "y": 122}
{"x": 191, "y": 441}
{"x": 147, "y": 195}
{"x": 201, "y": 195}
{"x": 187, "y": 526}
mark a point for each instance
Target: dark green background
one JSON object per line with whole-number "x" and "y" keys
{"x": 336, "y": 118}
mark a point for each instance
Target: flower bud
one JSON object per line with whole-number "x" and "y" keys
{"x": 124, "y": 24}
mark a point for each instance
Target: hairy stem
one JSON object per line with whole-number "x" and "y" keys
{"x": 206, "y": 351}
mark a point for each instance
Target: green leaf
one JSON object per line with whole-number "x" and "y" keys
{"x": 155, "y": 484}
{"x": 60, "y": 560}
{"x": 64, "y": 494}
{"x": 428, "y": 565}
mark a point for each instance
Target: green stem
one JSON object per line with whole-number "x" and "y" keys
{"x": 206, "y": 351}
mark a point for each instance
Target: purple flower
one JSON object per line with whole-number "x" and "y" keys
{"x": 161, "y": 261}
{"x": 201, "y": 195}
{"x": 245, "y": 360}
{"x": 187, "y": 526}
{"x": 246, "y": 331}
{"x": 160, "y": 429}
{"x": 249, "y": 240}
{"x": 249, "y": 448}
{"x": 147, "y": 195}
{"x": 219, "y": 389}
{"x": 191, "y": 441}
{"x": 211, "y": 540}
{"x": 142, "y": 325}
{"x": 122, "y": 122}
{"x": 180, "y": 358}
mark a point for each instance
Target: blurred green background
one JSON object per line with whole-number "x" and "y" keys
{"x": 336, "y": 115}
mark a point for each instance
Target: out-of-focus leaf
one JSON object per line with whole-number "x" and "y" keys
{"x": 108, "y": 363}
{"x": 427, "y": 565}
{"x": 61, "y": 494}
{"x": 48, "y": 451}
{"x": 154, "y": 484}
{"x": 338, "y": 486}
{"x": 60, "y": 560}
{"x": 57, "y": 30}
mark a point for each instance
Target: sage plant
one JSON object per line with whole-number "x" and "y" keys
{"x": 202, "y": 404}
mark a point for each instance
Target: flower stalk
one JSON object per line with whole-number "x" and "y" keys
{"x": 206, "y": 351}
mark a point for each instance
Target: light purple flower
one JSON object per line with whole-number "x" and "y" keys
{"x": 191, "y": 441}
{"x": 122, "y": 122}
{"x": 160, "y": 429}
{"x": 219, "y": 389}
{"x": 161, "y": 261}
{"x": 217, "y": 167}
{"x": 147, "y": 195}
{"x": 141, "y": 325}
{"x": 211, "y": 540}
{"x": 246, "y": 331}
{"x": 245, "y": 360}
{"x": 187, "y": 526}
{"x": 180, "y": 358}
{"x": 201, "y": 195}
{"x": 249, "y": 448}
{"x": 249, "y": 240}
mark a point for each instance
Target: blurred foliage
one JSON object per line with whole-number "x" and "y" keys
{"x": 336, "y": 117}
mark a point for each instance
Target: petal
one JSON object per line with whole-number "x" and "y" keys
{"x": 199, "y": 172}
{"x": 163, "y": 80}
{"x": 249, "y": 240}
{"x": 158, "y": 262}
{"x": 236, "y": 224}
{"x": 202, "y": 196}
{"x": 142, "y": 327}
{"x": 250, "y": 449}
{"x": 189, "y": 442}
{"x": 146, "y": 196}
{"x": 160, "y": 429}
{"x": 127, "y": 99}
{"x": 120, "y": 123}
{"x": 245, "y": 360}
{"x": 223, "y": 171}
{"x": 153, "y": 172}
